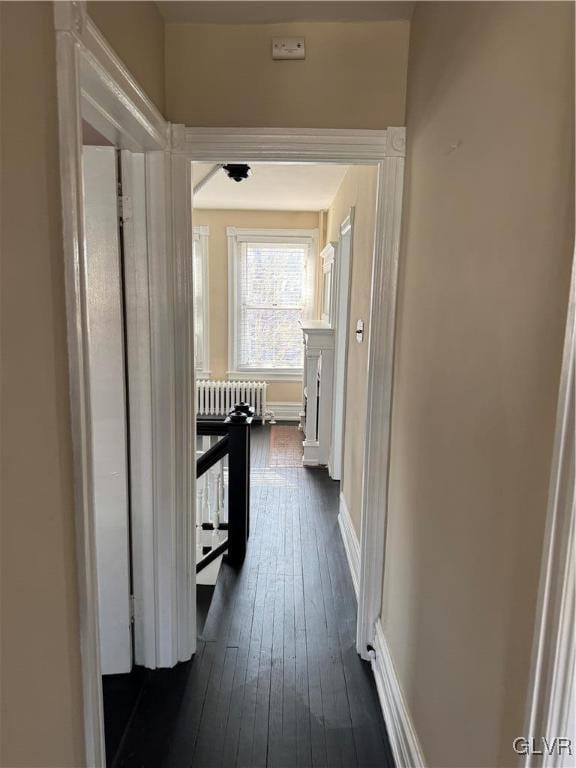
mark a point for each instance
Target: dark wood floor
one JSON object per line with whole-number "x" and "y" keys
{"x": 276, "y": 680}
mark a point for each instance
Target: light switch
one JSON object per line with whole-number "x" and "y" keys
{"x": 360, "y": 331}
{"x": 288, "y": 48}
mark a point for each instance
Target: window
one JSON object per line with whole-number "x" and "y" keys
{"x": 271, "y": 282}
{"x": 201, "y": 325}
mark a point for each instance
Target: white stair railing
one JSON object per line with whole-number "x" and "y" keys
{"x": 211, "y": 511}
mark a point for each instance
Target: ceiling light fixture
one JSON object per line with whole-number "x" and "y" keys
{"x": 237, "y": 171}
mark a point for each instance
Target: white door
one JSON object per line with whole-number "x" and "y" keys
{"x": 343, "y": 267}
{"x": 107, "y": 384}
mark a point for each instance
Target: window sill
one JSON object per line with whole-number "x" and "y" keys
{"x": 268, "y": 374}
{"x": 203, "y": 374}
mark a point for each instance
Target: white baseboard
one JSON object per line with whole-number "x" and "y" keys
{"x": 351, "y": 543}
{"x": 285, "y": 411}
{"x": 401, "y": 732}
{"x": 403, "y": 740}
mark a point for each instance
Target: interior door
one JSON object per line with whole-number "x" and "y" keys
{"x": 343, "y": 268}
{"x": 107, "y": 386}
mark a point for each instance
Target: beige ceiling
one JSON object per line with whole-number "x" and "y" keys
{"x": 289, "y": 187}
{"x": 272, "y": 11}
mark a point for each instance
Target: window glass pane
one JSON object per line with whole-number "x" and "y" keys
{"x": 271, "y": 338}
{"x": 275, "y": 274}
{"x": 271, "y": 296}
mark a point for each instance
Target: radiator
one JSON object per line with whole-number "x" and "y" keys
{"x": 218, "y": 398}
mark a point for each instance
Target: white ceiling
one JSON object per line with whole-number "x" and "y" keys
{"x": 275, "y": 11}
{"x": 293, "y": 187}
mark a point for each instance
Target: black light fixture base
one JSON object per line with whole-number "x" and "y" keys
{"x": 237, "y": 171}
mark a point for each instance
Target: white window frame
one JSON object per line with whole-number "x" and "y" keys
{"x": 201, "y": 235}
{"x": 236, "y": 237}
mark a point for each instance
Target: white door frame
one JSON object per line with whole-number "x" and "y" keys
{"x": 552, "y": 688}
{"x": 109, "y": 403}
{"x": 381, "y": 342}
{"x": 94, "y": 84}
{"x": 386, "y": 149}
{"x": 342, "y": 321}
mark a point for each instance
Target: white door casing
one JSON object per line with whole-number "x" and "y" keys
{"x": 386, "y": 149}
{"x": 139, "y": 373}
{"x": 381, "y": 337}
{"x": 552, "y": 689}
{"x": 93, "y": 84}
{"x": 342, "y": 320}
{"x": 107, "y": 406}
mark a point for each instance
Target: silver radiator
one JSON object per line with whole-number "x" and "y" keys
{"x": 218, "y": 398}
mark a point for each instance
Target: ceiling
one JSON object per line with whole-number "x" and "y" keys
{"x": 289, "y": 187}
{"x": 274, "y": 11}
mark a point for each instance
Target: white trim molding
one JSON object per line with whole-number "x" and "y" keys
{"x": 284, "y": 410}
{"x": 68, "y": 80}
{"x": 328, "y": 281}
{"x": 316, "y": 145}
{"x": 201, "y": 236}
{"x": 401, "y": 731}
{"x": 381, "y": 337}
{"x": 110, "y": 97}
{"x": 552, "y": 691}
{"x": 289, "y": 375}
{"x": 351, "y": 543}
{"x": 341, "y": 322}
{"x": 183, "y": 576}
{"x": 93, "y": 84}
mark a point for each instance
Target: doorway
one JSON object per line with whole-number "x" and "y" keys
{"x": 94, "y": 88}
{"x": 93, "y": 84}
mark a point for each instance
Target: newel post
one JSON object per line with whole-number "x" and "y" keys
{"x": 238, "y": 422}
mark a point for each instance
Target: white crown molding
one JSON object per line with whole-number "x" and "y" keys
{"x": 296, "y": 144}
{"x": 351, "y": 543}
{"x": 401, "y": 731}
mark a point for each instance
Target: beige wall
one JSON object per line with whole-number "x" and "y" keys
{"x": 218, "y": 281}
{"x": 135, "y": 30}
{"x": 358, "y": 189}
{"x": 354, "y": 75}
{"x": 41, "y": 707}
{"x": 487, "y": 243}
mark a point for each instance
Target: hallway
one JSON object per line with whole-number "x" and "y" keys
{"x": 276, "y": 680}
